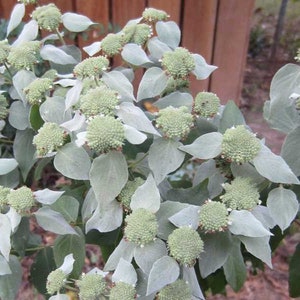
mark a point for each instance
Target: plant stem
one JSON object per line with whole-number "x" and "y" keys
{"x": 6, "y": 141}
{"x": 8, "y": 70}
{"x": 138, "y": 161}
{"x": 60, "y": 37}
{"x": 71, "y": 288}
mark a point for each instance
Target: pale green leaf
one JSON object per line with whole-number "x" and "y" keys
{"x": 108, "y": 176}
{"x": 175, "y": 99}
{"x": 206, "y": 146}
{"x": 19, "y": 115}
{"x": 4, "y": 266}
{"x": 133, "y": 136}
{"x": 169, "y": 33}
{"x": 29, "y": 33}
{"x": 135, "y": 55}
{"x": 93, "y": 48}
{"x": 153, "y": 82}
{"x": 56, "y": 55}
{"x": 263, "y": 215}
{"x": 157, "y": 48}
{"x": 68, "y": 206}
{"x": 283, "y": 206}
{"x": 244, "y": 223}
{"x": 164, "y": 158}
{"x": 188, "y": 216}
{"x": 16, "y": 17}
{"x": 75, "y": 22}
{"x": 73, "y": 94}
{"x": 146, "y": 256}
{"x": 266, "y": 162}
{"x": 11, "y": 179}
{"x": 190, "y": 276}
{"x": 5, "y": 236}
{"x": 125, "y": 272}
{"x": 47, "y": 196}
{"x": 164, "y": 271}
{"x": 89, "y": 205}
{"x": 73, "y": 162}
{"x": 202, "y": 69}
{"x": 20, "y": 81}
{"x": 7, "y": 165}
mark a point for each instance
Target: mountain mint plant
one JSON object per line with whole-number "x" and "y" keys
{"x": 172, "y": 185}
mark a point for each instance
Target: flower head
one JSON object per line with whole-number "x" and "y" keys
{"x": 176, "y": 84}
{"x": 112, "y": 44}
{"x": 55, "y": 281}
{"x": 4, "y": 191}
{"x": 47, "y": 16}
{"x": 213, "y": 216}
{"x": 239, "y": 145}
{"x": 91, "y": 67}
{"x": 28, "y": 1}
{"x": 178, "y": 290}
{"x": 141, "y": 34}
{"x": 206, "y": 104}
{"x": 3, "y": 107}
{"x": 185, "y": 245}
{"x": 4, "y": 50}
{"x": 141, "y": 227}
{"x": 178, "y": 63}
{"x": 241, "y": 193}
{"x": 21, "y": 199}
{"x": 153, "y": 15}
{"x": 174, "y": 122}
{"x": 122, "y": 290}
{"x": 36, "y": 90}
{"x": 105, "y": 133}
{"x": 49, "y": 138}
{"x": 91, "y": 286}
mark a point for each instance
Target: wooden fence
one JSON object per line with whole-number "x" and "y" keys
{"x": 216, "y": 29}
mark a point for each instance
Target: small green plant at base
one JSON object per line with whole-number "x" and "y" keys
{"x": 83, "y": 119}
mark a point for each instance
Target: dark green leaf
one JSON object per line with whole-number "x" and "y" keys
{"x": 294, "y": 276}
{"x": 35, "y": 118}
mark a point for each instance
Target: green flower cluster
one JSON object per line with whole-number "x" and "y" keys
{"x": 239, "y": 145}
{"x": 178, "y": 290}
{"x": 213, "y": 216}
{"x": 185, "y": 245}
{"x": 122, "y": 290}
{"x": 4, "y": 191}
{"x": 176, "y": 84}
{"x": 100, "y": 100}
{"x": 153, "y": 15}
{"x": 241, "y": 193}
{"x": 36, "y": 90}
{"x": 206, "y": 104}
{"x": 91, "y": 67}
{"x": 105, "y": 133}
{"x": 175, "y": 122}
{"x": 28, "y": 1}
{"x": 141, "y": 227}
{"x": 178, "y": 63}
{"x": 91, "y": 286}
{"x": 3, "y": 107}
{"x": 4, "y": 51}
{"x": 48, "y": 16}
{"x": 55, "y": 281}
{"x": 125, "y": 196}
{"x": 49, "y": 138}
{"x": 112, "y": 44}
{"x": 21, "y": 199}
{"x": 50, "y": 74}
{"x": 25, "y": 55}
{"x": 141, "y": 34}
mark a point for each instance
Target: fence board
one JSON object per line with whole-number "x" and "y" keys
{"x": 198, "y": 28}
{"x": 232, "y": 33}
{"x": 6, "y": 8}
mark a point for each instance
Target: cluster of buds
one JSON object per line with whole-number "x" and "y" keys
{"x": 176, "y": 84}
{"x": 21, "y": 199}
{"x": 175, "y": 122}
{"x": 185, "y": 245}
{"x": 26, "y": 2}
{"x": 241, "y": 193}
{"x": 213, "y": 216}
{"x": 239, "y": 145}
{"x": 178, "y": 290}
{"x": 36, "y": 90}
{"x": 4, "y": 191}
{"x": 105, "y": 133}
{"x": 141, "y": 227}
{"x": 55, "y": 281}
{"x": 25, "y": 55}
{"x": 48, "y": 17}
{"x": 99, "y": 101}
{"x": 4, "y": 51}
{"x": 122, "y": 290}
{"x": 3, "y": 107}
{"x": 206, "y": 104}
{"x": 112, "y": 44}
{"x": 137, "y": 33}
{"x": 49, "y": 138}
{"x": 153, "y": 15}
{"x": 178, "y": 63}
{"x": 91, "y": 67}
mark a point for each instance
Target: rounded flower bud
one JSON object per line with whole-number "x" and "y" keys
{"x": 178, "y": 84}
{"x": 21, "y": 199}
{"x": 213, "y": 216}
{"x": 4, "y": 51}
{"x": 112, "y": 44}
{"x": 48, "y": 16}
{"x": 178, "y": 63}
{"x": 206, "y": 104}
{"x": 141, "y": 34}
{"x": 153, "y": 15}
{"x": 130, "y": 187}
{"x": 36, "y": 90}
{"x": 105, "y": 133}
{"x": 55, "y": 281}
{"x": 49, "y": 138}
{"x": 50, "y": 74}
{"x": 239, "y": 145}
{"x": 174, "y": 122}
{"x": 91, "y": 67}
{"x": 122, "y": 290}
{"x": 241, "y": 193}
{"x": 4, "y": 191}
{"x": 91, "y": 286}
{"x": 97, "y": 101}
{"x": 25, "y": 55}
{"x": 141, "y": 227}
{"x": 178, "y": 290}
{"x": 3, "y": 107}
{"x": 185, "y": 245}
{"x": 28, "y": 1}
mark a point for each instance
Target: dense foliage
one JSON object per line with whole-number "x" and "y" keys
{"x": 179, "y": 197}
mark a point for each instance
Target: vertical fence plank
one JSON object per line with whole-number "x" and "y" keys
{"x": 232, "y": 35}
{"x": 172, "y": 7}
{"x": 6, "y": 7}
{"x": 198, "y": 28}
